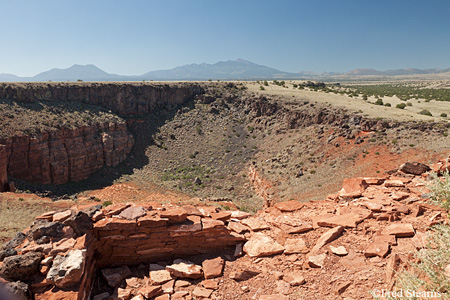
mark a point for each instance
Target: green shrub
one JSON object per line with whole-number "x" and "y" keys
{"x": 387, "y": 104}
{"x": 106, "y": 203}
{"x": 425, "y": 112}
{"x": 261, "y": 88}
{"x": 444, "y": 115}
{"x": 379, "y": 102}
{"x": 401, "y": 105}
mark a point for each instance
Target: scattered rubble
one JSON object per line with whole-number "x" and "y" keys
{"x": 354, "y": 242}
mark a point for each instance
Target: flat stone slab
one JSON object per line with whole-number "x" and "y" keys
{"x": 255, "y": 224}
{"x": 317, "y": 261}
{"x": 289, "y": 206}
{"x": 262, "y": 245}
{"x": 327, "y": 237}
{"x": 377, "y": 248}
{"x": 185, "y": 269}
{"x": 399, "y": 230}
{"x": 294, "y": 246}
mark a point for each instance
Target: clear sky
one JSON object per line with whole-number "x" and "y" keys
{"x": 136, "y": 36}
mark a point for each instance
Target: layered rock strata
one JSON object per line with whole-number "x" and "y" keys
{"x": 120, "y": 98}
{"x": 65, "y": 155}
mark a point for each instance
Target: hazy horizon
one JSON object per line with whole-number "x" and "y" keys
{"x": 132, "y": 38}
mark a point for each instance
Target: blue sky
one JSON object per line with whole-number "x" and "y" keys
{"x": 136, "y": 36}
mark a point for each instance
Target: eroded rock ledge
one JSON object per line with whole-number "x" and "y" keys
{"x": 131, "y": 98}
{"x": 65, "y": 155}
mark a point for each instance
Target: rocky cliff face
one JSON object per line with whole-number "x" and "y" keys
{"x": 69, "y": 154}
{"x": 66, "y": 155}
{"x": 120, "y": 98}
{"x": 3, "y": 169}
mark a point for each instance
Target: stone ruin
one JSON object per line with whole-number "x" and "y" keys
{"x": 61, "y": 252}
{"x": 357, "y": 239}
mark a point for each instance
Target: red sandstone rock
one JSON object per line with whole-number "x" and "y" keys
{"x": 3, "y": 168}
{"x": 213, "y": 268}
{"x": 274, "y": 297}
{"x": 255, "y": 223}
{"x": 210, "y": 284}
{"x": 317, "y": 261}
{"x": 240, "y": 215}
{"x": 150, "y": 291}
{"x": 132, "y": 213}
{"x": 377, "y": 248}
{"x": 347, "y": 220}
{"x": 289, "y": 206}
{"x": 175, "y": 215}
{"x": 394, "y": 183}
{"x": 262, "y": 245}
{"x": 399, "y": 230}
{"x": 115, "y": 209}
{"x": 62, "y": 216}
{"x": 202, "y": 292}
{"x": 327, "y": 237}
{"x": 292, "y": 246}
{"x": 163, "y": 297}
{"x": 295, "y": 279}
{"x": 353, "y": 188}
{"x": 341, "y": 251}
{"x": 243, "y": 274}
{"x": 159, "y": 275}
{"x": 222, "y": 215}
{"x": 185, "y": 269}
{"x": 238, "y": 227}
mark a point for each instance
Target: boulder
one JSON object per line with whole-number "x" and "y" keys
{"x": 15, "y": 241}
{"x": 213, "y": 268}
{"x": 44, "y": 228}
{"x": 18, "y": 290}
{"x": 353, "y": 188}
{"x": 80, "y": 222}
{"x": 20, "y": 267}
{"x": 262, "y": 245}
{"x": 415, "y": 168}
{"x": 67, "y": 271}
{"x": 6, "y": 253}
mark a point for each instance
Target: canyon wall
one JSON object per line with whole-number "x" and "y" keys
{"x": 120, "y": 98}
{"x": 66, "y": 155}
{"x": 3, "y": 169}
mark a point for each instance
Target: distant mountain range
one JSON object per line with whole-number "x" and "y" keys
{"x": 223, "y": 70}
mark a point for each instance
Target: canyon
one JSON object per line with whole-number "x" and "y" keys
{"x": 205, "y": 192}
{"x": 72, "y": 154}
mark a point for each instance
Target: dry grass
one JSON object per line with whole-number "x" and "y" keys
{"x": 17, "y": 212}
{"x": 366, "y": 107}
{"x": 32, "y": 118}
